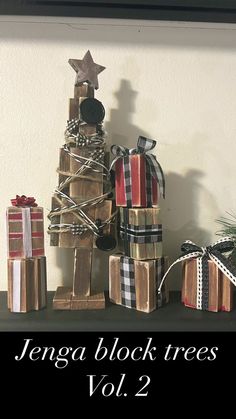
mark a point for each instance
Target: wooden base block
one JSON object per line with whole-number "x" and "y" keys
{"x": 64, "y": 300}
{"x": 93, "y": 302}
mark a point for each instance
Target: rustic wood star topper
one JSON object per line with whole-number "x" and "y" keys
{"x": 86, "y": 69}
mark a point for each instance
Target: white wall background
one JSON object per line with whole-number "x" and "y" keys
{"x": 175, "y": 82}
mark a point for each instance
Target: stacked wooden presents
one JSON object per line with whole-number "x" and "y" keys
{"x": 81, "y": 215}
{"x": 135, "y": 275}
{"x": 27, "y": 289}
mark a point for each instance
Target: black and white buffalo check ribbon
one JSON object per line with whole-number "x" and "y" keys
{"x": 127, "y": 277}
{"x": 203, "y": 254}
{"x": 139, "y": 234}
{"x": 128, "y": 295}
{"x": 153, "y": 168}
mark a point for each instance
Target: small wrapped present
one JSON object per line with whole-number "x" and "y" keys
{"x": 141, "y": 232}
{"x": 139, "y": 177}
{"x": 208, "y": 276}
{"x": 27, "y": 284}
{"x": 25, "y": 228}
{"x": 134, "y": 283}
{"x": 217, "y": 296}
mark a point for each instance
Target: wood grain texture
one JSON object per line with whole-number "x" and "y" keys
{"x": 62, "y": 298}
{"x": 64, "y": 166}
{"x": 54, "y": 237}
{"x": 114, "y": 279}
{"x": 91, "y": 185}
{"x": 227, "y": 294}
{"x": 92, "y": 302}
{"x": 145, "y": 283}
{"x": 83, "y": 90}
{"x": 220, "y": 297}
{"x": 31, "y": 277}
{"x": 73, "y": 108}
{"x": 141, "y": 217}
{"x": 82, "y": 272}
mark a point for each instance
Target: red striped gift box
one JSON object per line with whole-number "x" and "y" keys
{"x": 25, "y": 232}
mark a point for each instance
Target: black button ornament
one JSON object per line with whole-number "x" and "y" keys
{"x": 106, "y": 242}
{"x": 92, "y": 111}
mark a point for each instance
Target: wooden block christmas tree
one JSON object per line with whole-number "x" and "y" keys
{"x": 82, "y": 211}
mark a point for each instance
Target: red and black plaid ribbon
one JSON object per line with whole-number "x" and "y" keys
{"x": 153, "y": 168}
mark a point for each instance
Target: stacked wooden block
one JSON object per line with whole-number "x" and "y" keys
{"x": 81, "y": 208}
{"x": 27, "y": 289}
{"x": 135, "y": 275}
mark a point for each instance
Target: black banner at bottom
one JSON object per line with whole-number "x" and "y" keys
{"x": 119, "y": 365}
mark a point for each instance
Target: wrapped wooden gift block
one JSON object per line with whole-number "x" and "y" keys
{"x": 220, "y": 288}
{"x": 87, "y": 239}
{"x": 135, "y": 187}
{"x": 134, "y": 283}
{"x": 27, "y": 284}
{"x": 25, "y": 231}
{"x": 141, "y": 232}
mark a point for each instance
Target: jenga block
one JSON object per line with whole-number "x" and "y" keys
{"x": 40, "y": 283}
{"x": 144, "y": 273}
{"x": 114, "y": 280}
{"x": 91, "y": 185}
{"x": 93, "y": 302}
{"x": 64, "y": 166}
{"x": 227, "y": 294}
{"x": 25, "y": 231}
{"x": 83, "y": 90}
{"x": 189, "y": 287}
{"x": 26, "y": 284}
{"x": 135, "y": 283}
{"x": 82, "y": 272}
{"x": 54, "y": 237}
{"x": 73, "y": 108}
{"x": 141, "y": 232}
{"x": 62, "y": 298}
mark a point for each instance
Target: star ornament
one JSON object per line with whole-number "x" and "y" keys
{"x": 87, "y": 70}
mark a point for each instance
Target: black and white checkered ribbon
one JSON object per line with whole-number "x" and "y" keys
{"x": 203, "y": 254}
{"x": 72, "y": 126}
{"x": 153, "y": 168}
{"x": 141, "y": 234}
{"x": 127, "y": 276}
{"x": 128, "y": 295}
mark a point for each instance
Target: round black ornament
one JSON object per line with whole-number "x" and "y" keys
{"x": 92, "y": 111}
{"x": 106, "y": 242}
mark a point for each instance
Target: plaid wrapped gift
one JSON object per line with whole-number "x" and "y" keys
{"x": 141, "y": 232}
{"x": 134, "y": 283}
{"x": 138, "y": 176}
{"x": 27, "y": 284}
{"x": 25, "y": 232}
